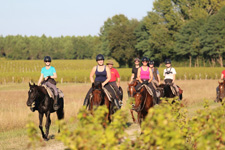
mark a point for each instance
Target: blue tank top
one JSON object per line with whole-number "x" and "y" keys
{"x": 100, "y": 76}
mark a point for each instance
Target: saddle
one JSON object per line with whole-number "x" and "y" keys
{"x": 148, "y": 89}
{"x": 51, "y": 92}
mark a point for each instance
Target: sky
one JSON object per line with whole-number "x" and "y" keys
{"x": 65, "y": 17}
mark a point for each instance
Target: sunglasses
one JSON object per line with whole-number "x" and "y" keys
{"x": 47, "y": 61}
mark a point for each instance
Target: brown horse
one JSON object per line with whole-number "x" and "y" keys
{"x": 99, "y": 98}
{"x": 131, "y": 91}
{"x": 143, "y": 102}
{"x": 221, "y": 93}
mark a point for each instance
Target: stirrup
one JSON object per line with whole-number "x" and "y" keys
{"x": 120, "y": 103}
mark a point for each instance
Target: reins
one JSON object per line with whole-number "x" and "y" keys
{"x": 140, "y": 108}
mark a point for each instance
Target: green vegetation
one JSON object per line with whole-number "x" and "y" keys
{"x": 190, "y": 31}
{"x": 166, "y": 127}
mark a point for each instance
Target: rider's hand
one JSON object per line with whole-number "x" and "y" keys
{"x": 103, "y": 84}
{"x": 118, "y": 84}
{"x": 46, "y": 78}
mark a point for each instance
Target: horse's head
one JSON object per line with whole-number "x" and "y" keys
{"x": 139, "y": 97}
{"x": 131, "y": 88}
{"x": 221, "y": 90}
{"x": 32, "y": 94}
{"x": 97, "y": 94}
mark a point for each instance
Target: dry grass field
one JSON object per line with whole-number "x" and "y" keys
{"x": 14, "y": 114}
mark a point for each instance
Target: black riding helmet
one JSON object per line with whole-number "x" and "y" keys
{"x": 47, "y": 59}
{"x": 100, "y": 57}
{"x": 167, "y": 61}
{"x": 145, "y": 59}
{"x": 151, "y": 62}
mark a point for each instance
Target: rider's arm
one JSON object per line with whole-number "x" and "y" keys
{"x": 108, "y": 76}
{"x": 158, "y": 77}
{"x": 92, "y": 74}
{"x": 151, "y": 75}
{"x": 139, "y": 75}
{"x": 40, "y": 79}
{"x": 174, "y": 77}
{"x": 118, "y": 82}
{"x": 54, "y": 76}
{"x": 131, "y": 78}
{"x": 221, "y": 77}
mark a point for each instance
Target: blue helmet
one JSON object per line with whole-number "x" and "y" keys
{"x": 167, "y": 61}
{"x": 100, "y": 57}
{"x": 47, "y": 59}
{"x": 145, "y": 59}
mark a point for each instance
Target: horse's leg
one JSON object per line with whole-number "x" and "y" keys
{"x": 139, "y": 118}
{"x": 40, "y": 125}
{"x": 60, "y": 115}
{"x": 107, "y": 103}
{"x": 132, "y": 115}
{"x": 47, "y": 124}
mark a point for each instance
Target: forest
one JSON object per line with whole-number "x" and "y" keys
{"x": 189, "y": 32}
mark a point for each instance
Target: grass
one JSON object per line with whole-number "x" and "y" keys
{"x": 78, "y": 71}
{"x": 14, "y": 114}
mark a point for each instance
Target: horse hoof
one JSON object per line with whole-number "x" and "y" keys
{"x": 46, "y": 139}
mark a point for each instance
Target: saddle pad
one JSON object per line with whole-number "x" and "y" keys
{"x": 51, "y": 93}
{"x": 173, "y": 90}
{"x": 107, "y": 93}
{"x": 148, "y": 89}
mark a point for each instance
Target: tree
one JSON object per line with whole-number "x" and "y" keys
{"x": 213, "y": 38}
{"x": 119, "y": 39}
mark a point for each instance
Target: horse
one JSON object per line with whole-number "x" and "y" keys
{"x": 38, "y": 95}
{"x": 131, "y": 91}
{"x": 221, "y": 93}
{"x": 99, "y": 98}
{"x": 143, "y": 102}
{"x": 165, "y": 91}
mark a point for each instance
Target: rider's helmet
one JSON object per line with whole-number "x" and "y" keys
{"x": 100, "y": 57}
{"x": 167, "y": 61}
{"x": 151, "y": 62}
{"x": 136, "y": 59}
{"x": 47, "y": 59}
{"x": 145, "y": 59}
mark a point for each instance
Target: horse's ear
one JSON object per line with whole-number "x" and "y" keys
{"x": 93, "y": 85}
{"x": 100, "y": 85}
{"x": 34, "y": 84}
{"x": 29, "y": 84}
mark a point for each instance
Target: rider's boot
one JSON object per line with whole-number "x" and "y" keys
{"x": 86, "y": 102}
{"x": 55, "y": 104}
{"x": 117, "y": 103}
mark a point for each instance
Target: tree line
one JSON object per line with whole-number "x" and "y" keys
{"x": 190, "y": 31}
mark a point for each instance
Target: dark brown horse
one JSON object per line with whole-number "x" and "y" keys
{"x": 221, "y": 93}
{"x": 38, "y": 96}
{"x": 143, "y": 102}
{"x": 165, "y": 91}
{"x": 99, "y": 98}
{"x": 131, "y": 91}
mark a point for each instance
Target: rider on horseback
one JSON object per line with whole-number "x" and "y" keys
{"x": 115, "y": 75}
{"x": 103, "y": 75}
{"x": 170, "y": 75}
{"x": 49, "y": 74}
{"x": 155, "y": 72}
{"x": 222, "y": 77}
{"x": 135, "y": 70}
{"x": 145, "y": 76}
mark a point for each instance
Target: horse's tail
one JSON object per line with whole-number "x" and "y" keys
{"x": 60, "y": 111}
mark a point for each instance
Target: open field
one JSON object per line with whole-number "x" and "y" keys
{"x": 77, "y": 71}
{"x": 14, "y": 114}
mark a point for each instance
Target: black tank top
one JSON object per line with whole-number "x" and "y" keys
{"x": 100, "y": 76}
